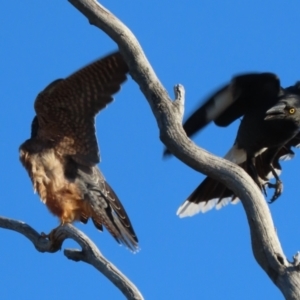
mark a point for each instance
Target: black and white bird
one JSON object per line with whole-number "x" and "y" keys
{"x": 267, "y": 132}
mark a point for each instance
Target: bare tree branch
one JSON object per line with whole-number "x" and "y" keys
{"x": 89, "y": 253}
{"x": 265, "y": 244}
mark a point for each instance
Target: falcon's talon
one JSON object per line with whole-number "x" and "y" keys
{"x": 56, "y": 241}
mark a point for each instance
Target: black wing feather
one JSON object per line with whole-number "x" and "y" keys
{"x": 245, "y": 92}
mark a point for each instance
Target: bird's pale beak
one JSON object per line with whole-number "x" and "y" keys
{"x": 276, "y": 112}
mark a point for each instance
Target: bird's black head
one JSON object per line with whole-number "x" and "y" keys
{"x": 34, "y": 127}
{"x": 288, "y": 108}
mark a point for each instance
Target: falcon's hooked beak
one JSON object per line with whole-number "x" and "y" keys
{"x": 276, "y": 112}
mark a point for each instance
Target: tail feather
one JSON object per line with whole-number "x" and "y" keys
{"x": 84, "y": 218}
{"x": 114, "y": 217}
{"x": 105, "y": 207}
{"x": 97, "y": 224}
{"x": 210, "y": 193}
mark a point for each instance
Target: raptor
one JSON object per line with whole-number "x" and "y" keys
{"x": 62, "y": 153}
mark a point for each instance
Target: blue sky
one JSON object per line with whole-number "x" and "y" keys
{"x": 200, "y": 44}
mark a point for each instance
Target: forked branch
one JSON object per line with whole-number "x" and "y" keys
{"x": 89, "y": 253}
{"x": 266, "y": 246}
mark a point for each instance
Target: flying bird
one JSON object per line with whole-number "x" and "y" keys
{"x": 268, "y": 130}
{"x": 62, "y": 153}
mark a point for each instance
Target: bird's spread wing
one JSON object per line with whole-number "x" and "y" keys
{"x": 106, "y": 207}
{"x": 245, "y": 92}
{"x": 66, "y": 109}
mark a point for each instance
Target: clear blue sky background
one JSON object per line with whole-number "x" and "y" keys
{"x": 199, "y": 44}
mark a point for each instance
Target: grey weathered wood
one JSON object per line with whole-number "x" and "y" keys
{"x": 265, "y": 243}
{"x": 89, "y": 253}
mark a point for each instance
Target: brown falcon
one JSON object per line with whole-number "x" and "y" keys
{"x": 62, "y": 154}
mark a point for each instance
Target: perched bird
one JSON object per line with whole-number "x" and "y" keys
{"x": 62, "y": 153}
{"x": 268, "y": 129}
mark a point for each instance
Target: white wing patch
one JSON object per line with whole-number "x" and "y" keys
{"x": 236, "y": 155}
{"x": 270, "y": 174}
{"x": 287, "y": 156}
{"x": 220, "y": 103}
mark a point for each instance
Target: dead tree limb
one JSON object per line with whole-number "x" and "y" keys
{"x": 265, "y": 244}
{"x": 89, "y": 253}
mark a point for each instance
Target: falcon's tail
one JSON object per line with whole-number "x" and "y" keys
{"x": 121, "y": 229}
{"x": 106, "y": 209}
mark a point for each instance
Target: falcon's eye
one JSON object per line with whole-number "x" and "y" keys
{"x": 292, "y": 111}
